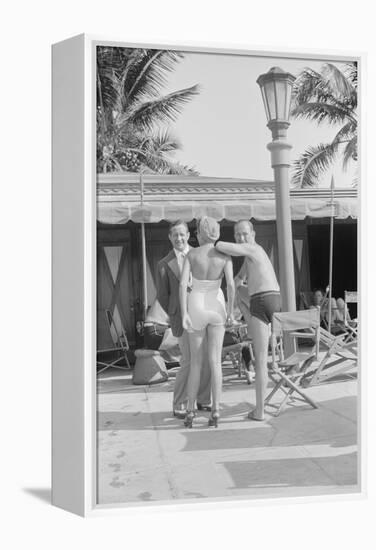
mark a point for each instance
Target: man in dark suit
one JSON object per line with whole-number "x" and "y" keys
{"x": 168, "y": 278}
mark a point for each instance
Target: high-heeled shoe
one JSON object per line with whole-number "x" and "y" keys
{"x": 188, "y": 421}
{"x": 206, "y": 408}
{"x": 213, "y": 419}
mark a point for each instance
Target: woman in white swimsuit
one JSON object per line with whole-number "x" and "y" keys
{"x": 204, "y": 312}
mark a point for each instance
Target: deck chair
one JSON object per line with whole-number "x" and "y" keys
{"x": 118, "y": 352}
{"x": 339, "y": 357}
{"x": 351, "y": 297}
{"x": 286, "y": 373}
{"x": 235, "y": 350}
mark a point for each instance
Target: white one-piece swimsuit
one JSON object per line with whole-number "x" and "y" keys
{"x": 206, "y": 303}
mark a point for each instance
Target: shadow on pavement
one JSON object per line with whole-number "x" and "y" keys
{"x": 164, "y": 420}
{"x": 294, "y": 472}
{"x": 333, "y": 424}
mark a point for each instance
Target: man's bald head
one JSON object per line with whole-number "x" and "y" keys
{"x": 244, "y": 232}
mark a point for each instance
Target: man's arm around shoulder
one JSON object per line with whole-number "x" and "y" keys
{"x": 234, "y": 249}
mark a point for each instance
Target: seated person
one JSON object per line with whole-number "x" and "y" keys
{"x": 158, "y": 334}
{"x": 169, "y": 349}
{"x": 343, "y": 312}
{"x": 336, "y": 324}
{"x": 320, "y": 300}
{"x": 155, "y": 325}
{"x": 333, "y": 310}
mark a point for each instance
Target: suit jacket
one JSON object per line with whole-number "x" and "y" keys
{"x": 168, "y": 278}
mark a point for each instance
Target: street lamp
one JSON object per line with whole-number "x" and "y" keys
{"x": 276, "y": 88}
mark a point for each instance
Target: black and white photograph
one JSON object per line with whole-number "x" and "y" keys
{"x": 188, "y": 296}
{"x": 227, "y": 209}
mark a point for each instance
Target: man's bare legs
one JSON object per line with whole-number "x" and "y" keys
{"x": 260, "y": 339}
{"x": 242, "y": 300}
{"x": 215, "y": 342}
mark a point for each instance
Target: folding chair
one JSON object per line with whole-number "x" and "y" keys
{"x": 287, "y": 372}
{"x": 339, "y": 358}
{"x": 234, "y": 351}
{"x": 119, "y": 349}
{"x": 351, "y": 297}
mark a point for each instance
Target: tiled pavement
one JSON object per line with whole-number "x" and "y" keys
{"x": 145, "y": 454}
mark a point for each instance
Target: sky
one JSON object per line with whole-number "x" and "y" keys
{"x": 223, "y": 130}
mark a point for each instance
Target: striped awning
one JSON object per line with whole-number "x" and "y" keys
{"x": 119, "y": 212}
{"x": 186, "y": 197}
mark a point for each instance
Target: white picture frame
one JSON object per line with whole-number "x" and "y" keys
{"x": 74, "y": 464}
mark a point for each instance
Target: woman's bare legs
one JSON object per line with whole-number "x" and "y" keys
{"x": 215, "y": 342}
{"x": 196, "y": 344}
{"x": 260, "y": 339}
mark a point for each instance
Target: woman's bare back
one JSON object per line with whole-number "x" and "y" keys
{"x": 207, "y": 263}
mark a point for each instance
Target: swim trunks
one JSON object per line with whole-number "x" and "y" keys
{"x": 206, "y": 304}
{"x": 264, "y": 304}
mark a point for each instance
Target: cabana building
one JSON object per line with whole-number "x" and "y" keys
{"x": 121, "y": 211}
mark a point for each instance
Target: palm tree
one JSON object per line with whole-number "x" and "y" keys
{"x": 131, "y": 114}
{"x": 328, "y": 96}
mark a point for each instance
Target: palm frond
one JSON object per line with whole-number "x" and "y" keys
{"x": 155, "y": 165}
{"x": 165, "y": 109}
{"x": 351, "y": 72}
{"x": 311, "y": 86}
{"x": 350, "y": 152}
{"x": 129, "y": 107}
{"x": 327, "y": 96}
{"x": 107, "y": 90}
{"x": 146, "y": 73}
{"x": 330, "y": 85}
{"x": 114, "y": 57}
{"x": 162, "y": 142}
{"x": 339, "y": 84}
{"x": 313, "y": 163}
{"x": 322, "y": 112}
{"x": 162, "y": 165}
{"x": 346, "y": 133}
{"x": 355, "y": 179}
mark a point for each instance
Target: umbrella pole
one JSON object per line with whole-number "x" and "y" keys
{"x": 144, "y": 274}
{"x": 143, "y": 251}
{"x": 331, "y": 253}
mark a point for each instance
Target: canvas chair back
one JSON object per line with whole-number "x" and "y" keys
{"x": 292, "y": 324}
{"x": 119, "y": 347}
{"x": 351, "y": 297}
{"x": 117, "y": 331}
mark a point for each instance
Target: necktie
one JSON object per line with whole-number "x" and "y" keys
{"x": 181, "y": 261}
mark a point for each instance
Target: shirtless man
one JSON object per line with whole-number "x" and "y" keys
{"x": 265, "y": 299}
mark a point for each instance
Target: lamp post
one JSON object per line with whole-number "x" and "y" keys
{"x": 276, "y": 88}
